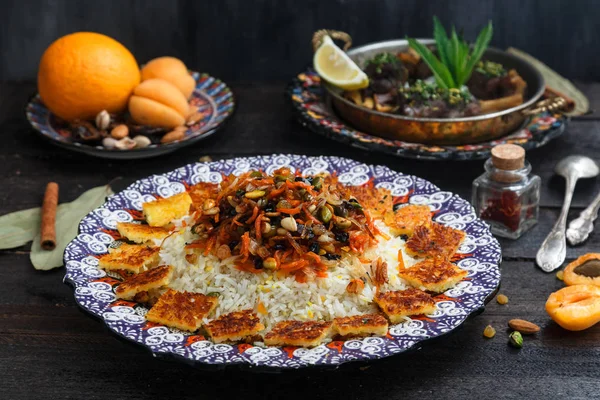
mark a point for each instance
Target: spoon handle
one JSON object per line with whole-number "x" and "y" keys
{"x": 553, "y": 251}
{"x": 581, "y": 227}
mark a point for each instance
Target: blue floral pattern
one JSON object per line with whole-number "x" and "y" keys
{"x": 94, "y": 289}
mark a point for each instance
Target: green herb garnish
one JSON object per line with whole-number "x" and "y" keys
{"x": 383, "y": 58}
{"x": 455, "y": 65}
{"x": 490, "y": 69}
{"x": 427, "y": 92}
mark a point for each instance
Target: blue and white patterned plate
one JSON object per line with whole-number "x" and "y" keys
{"x": 94, "y": 291}
{"x": 212, "y": 97}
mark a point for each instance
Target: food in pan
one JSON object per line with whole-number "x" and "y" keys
{"x": 284, "y": 259}
{"x": 448, "y": 80}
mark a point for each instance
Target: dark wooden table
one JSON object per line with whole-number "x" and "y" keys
{"x": 51, "y": 349}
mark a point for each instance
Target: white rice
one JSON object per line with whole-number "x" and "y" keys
{"x": 283, "y": 298}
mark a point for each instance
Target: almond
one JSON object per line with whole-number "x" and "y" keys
{"x": 525, "y": 327}
{"x": 172, "y": 136}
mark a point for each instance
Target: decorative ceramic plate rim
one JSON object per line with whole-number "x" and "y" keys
{"x": 94, "y": 290}
{"x": 220, "y": 97}
{"x": 550, "y": 127}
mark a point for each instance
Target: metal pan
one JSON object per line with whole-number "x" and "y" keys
{"x": 440, "y": 131}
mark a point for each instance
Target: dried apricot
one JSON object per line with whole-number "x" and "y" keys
{"x": 583, "y": 271}
{"x": 576, "y": 307}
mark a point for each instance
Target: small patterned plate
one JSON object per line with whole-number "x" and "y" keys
{"x": 94, "y": 291}
{"x": 314, "y": 111}
{"x": 212, "y": 97}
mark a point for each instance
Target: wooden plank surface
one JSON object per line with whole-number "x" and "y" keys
{"x": 50, "y": 348}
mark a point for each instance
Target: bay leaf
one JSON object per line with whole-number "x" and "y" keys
{"x": 66, "y": 227}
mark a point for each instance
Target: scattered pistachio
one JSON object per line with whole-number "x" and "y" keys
{"x": 141, "y": 141}
{"x": 103, "y": 120}
{"x": 489, "y": 332}
{"x": 270, "y": 263}
{"x": 255, "y": 194}
{"x": 325, "y": 214}
{"x": 560, "y": 275}
{"x": 502, "y": 299}
{"x": 317, "y": 182}
{"x": 109, "y": 143}
{"x": 125, "y": 144}
{"x": 342, "y": 223}
{"x": 283, "y": 204}
{"x": 516, "y": 339}
{"x": 289, "y": 224}
{"x": 173, "y": 136}
{"x": 120, "y": 131}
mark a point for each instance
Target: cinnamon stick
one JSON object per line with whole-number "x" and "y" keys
{"x": 48, "y": 229}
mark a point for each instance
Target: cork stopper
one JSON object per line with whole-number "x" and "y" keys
{"x": 508, "y": 157}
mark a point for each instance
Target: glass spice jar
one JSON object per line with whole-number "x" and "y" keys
{"x": 507, "y": 195}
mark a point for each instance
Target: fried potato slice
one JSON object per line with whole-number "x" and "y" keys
{"x": 298, "y": 333}
{"x": 162, "y": 211}
{"x": 402, "y": 303}
{"x": 433, "y": 274}
{"x": 406, "y": 219}
{"x": 437, "y": 240}
{"x": 141, "y": 233}
{"x": 182, "y": 310}
{"x": 129, "y": 257}
{"x": 361, "y": 325}
{"x": 234, "y": 327}
{"x": 144, "y": 281}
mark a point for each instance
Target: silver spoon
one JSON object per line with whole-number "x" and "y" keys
{"x": 553, "y": 251}
{"x": 581, "y": 227}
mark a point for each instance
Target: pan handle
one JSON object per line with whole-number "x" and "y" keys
{"x": 317, "y": 38}
{"x": 552, "y": 104}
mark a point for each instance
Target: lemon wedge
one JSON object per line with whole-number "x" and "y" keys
{"x": 334, "y": 65}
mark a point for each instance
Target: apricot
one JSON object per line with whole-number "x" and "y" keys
{"x": 170, "y": 69}
{"x": 576, "y": 307}
{"x": 583, "y": 271}
{"x": 156, "y": 102}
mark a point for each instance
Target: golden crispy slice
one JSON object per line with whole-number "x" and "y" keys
{"x": 405, "y": 219}
{"x": 144, "y": 281}
{"x": 298, "y": 333}
{"x": 377, "y": 200}
{"x": 162, "y": 211}
{"x": 183, "y": 310}
{"x": 433, "y": 274}
{"x": 402, "y": 303}
{"x": 141, "y": 233}
{"x": 129, "y": 257}
{"x": 437, "y": 240}
{"x": 361, "y": 325}
{"x": 234, "y": 327}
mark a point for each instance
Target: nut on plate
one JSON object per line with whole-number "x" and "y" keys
{"x": 119, "y": 131}
{"x": 125, "y": 144}
{"x": 173, "y": 136}
{"x": 141, "y": 141}
{"x": 102, "y": 120}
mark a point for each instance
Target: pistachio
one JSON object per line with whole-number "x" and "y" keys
{"x": 271, "y": 232}
{"x": 125, "y": 144}
{"x": 489, "y": 332}
{"x": 342, "y": 223}
{"x": 289, "y": 224}
{"x": 255, "y": 194}
{"x": 109, "y": 143}
{"x": 173, "y": 136}
{"x": 270, "y": 263}
{"x": 208, "y": 204}
{"x": 283, "y": 204}
{"x": 194, "y": 118}
{"x": 119, "y": 131}
{"x": 516, "y": 339}
{"x": 325, "y": 214}
{"x": 317, "y": 182}
{"x": 103, "y": 120}
{"x": 141, "y": 141}
{"x": 256, "y": 174}
{"x": 502, "y": 299}
{"x": 281, "y": 231}
{"x": 312, "y": 208}
{"x": 211, "y": 211}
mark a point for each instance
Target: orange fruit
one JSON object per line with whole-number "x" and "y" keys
{"x": 84, "y": 73}
{"x": 170, "y": 69}
{"x": 576, "y": 307}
